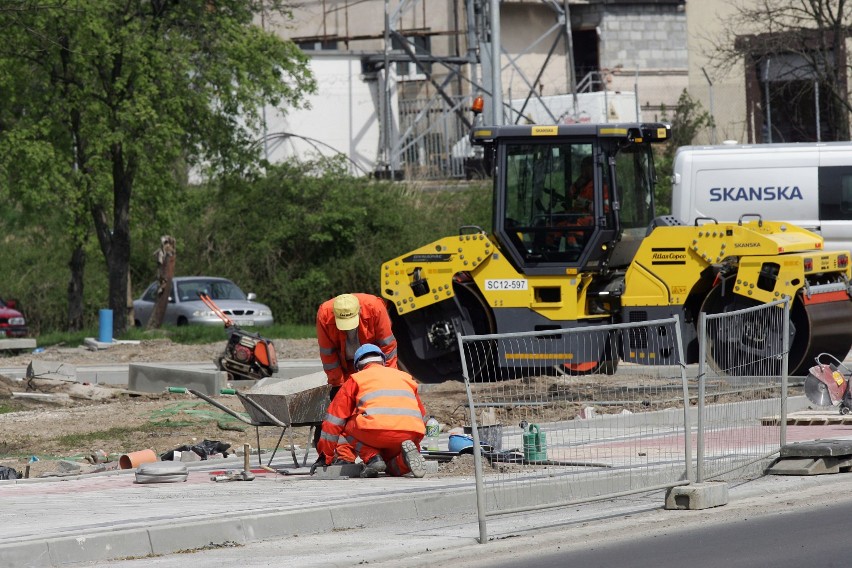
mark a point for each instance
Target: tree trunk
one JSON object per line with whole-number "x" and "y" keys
{"x": 115, "y": 240}
{"x": 75, "y": 288}
{"x": 165, "y": 272}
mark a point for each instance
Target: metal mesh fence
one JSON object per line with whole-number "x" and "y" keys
{"x": 742, "y": 380}
{"x": 564, "y": 422}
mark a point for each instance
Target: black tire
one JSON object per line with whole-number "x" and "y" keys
{"x": 747, "y": 347}
{"x": 469, "y": 307}
{"x": 182, "y": 321}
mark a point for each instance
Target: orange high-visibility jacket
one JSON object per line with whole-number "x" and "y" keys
{"x": 374, "y": 327}
{"x": 377, "y": 398}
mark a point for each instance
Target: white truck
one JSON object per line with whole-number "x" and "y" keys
{"x": 807, "y": 184}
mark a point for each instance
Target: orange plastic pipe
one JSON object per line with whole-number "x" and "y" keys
{"x": 135, "y": 459}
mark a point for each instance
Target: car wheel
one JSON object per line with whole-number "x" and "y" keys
{"x": 137, "y": 324}
{"x": 182, "y": 321}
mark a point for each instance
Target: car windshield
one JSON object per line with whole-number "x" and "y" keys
{"x": 189, "y": 290}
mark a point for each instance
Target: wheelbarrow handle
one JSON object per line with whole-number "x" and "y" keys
{"x": 223, "y": 408}
{"x": 273, "y": 419}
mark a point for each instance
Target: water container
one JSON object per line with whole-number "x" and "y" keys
{"x": 433, "y": 430}
{"x": 535, "y": 447}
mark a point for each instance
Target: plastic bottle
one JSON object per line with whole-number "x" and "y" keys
{"x": 433, "y": 430}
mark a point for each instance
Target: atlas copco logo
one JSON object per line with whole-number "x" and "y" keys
{"x": 668, "y": 256}
{"x": 766, "y": 193}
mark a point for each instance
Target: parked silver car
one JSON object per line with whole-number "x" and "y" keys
{"x": 185, "y": 307}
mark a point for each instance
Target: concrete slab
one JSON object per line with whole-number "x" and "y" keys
{"x": 17, "y": 343}
{"x": 147, "y": 377}
{"x": 817, "y": 448}
{"x": 53, "y": 370}
{"x": 697, "y": 496}
{"x": 804, "y": 466}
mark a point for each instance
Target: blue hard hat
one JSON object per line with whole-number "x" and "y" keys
{"x": 367, "y": 350}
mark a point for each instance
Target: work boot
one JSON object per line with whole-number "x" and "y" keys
{"x": 374, "y": 467}
{"x": 413, "y": 459}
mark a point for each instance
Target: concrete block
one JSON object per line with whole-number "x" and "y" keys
{"x": 805, "y": 466}
{"x": 344, "y": 471}
{"x": 144, "y": 377}
{"x": 697, "y": 496}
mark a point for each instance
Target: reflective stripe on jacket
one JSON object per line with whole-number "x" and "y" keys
{"x": 374, "y": 326}
{"x": 377, "y": 398}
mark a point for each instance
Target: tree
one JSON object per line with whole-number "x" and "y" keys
{"x": 798, "y": 45}
{"x": 105, "y": 104}
{"x": 689, "y": 118}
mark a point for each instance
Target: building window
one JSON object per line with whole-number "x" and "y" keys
{"x": 789, "y": 93}
{"x": 408, "y": 70}
{"x": 317, "y": 44}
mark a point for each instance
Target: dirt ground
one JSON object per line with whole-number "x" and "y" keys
{"x": 111, "y": 421}
{"x": 77, "y": 427}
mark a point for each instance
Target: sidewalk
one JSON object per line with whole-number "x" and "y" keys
{"x": 99, "y": 517}
{"x": 56, "y": 521}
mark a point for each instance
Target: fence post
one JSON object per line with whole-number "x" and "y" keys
{"x": 785, "y": 360}
{"x": 702, "y": 375}
{"x": 687, "y": 428}
{"x": 477, "y": 453}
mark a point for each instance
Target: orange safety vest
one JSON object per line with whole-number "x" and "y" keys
{"x": 374, "y": 327}
{"x": 376, "y": 398}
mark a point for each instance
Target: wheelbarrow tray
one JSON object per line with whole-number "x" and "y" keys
{"x": 304, "y": 408}
{"x": 301, "y": 401}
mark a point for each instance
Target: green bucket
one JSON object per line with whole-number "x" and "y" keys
{"x": 535, "y": 446}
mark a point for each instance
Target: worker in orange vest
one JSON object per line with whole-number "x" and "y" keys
{"x": 344, "y": 324}
{"x": 378, "y": 415}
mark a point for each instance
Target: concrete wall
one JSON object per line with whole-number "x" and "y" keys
{"x": 343, "y": 116}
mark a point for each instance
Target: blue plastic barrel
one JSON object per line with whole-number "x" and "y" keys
{"x": 105, "y": 326}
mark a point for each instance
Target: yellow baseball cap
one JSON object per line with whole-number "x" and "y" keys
{"x": 346, "y": 308}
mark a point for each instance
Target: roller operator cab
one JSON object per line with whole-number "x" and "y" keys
{"x": 575, "y": 243}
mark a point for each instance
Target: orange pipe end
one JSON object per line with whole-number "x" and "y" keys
{"x": 135, "y": 459}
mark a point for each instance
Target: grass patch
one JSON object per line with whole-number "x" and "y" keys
{"x": 6, "y": 409}
{"x": 120, "y": 432}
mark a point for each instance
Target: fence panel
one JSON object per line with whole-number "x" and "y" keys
{"x": 567, "y": 423}
{"x": 742, "y": 380}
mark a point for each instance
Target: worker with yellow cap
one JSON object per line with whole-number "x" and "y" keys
{"x": 344, "y": 324}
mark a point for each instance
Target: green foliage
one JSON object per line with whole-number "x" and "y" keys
{"x": 689, "y": 118}
{"x": 307, "y": 232}
{"x": 106, "y": 103}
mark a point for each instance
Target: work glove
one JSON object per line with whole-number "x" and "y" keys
{"x": 332, "y": 392}
{"x": 320, "y": 462}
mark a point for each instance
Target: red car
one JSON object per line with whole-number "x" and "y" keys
{"x": 12, "y": 322}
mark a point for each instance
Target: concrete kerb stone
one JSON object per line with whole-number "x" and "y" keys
{"x": 99, "y": 546}
{"x": 25, "y": 554}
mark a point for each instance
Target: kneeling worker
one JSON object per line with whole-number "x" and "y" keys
{"x": 379, "y": 416}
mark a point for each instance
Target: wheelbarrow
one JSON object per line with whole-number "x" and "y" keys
{"x": 286, "y": 404}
